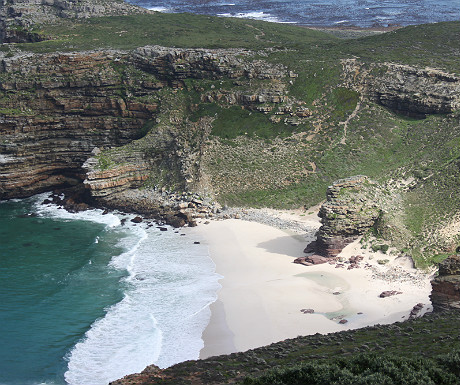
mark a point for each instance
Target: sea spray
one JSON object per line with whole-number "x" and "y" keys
{"x": 160, "y": 320}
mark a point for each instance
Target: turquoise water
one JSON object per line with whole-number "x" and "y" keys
{"x": 85, "y": 300}
{"x": 54, "y": 283}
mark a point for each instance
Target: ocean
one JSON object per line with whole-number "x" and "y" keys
{"x": 85, "y": 300}
{"x": 360, "y": 13}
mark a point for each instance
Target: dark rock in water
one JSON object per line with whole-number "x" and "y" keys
{"x": 389, "y": 293}
{"x": 343, "y": 321}
{"x": 47, "y": 202}
{"x": 350, "y": 210}
{"x": 307, "y": 311}
{"x": 137, "y": 219}
{"x": 196, "y": 243}
{"x": 105, "y": 212}
{"x": 163, "y": 228}
{"x": 123, "y": 221}
{"x": 445, "y": 292}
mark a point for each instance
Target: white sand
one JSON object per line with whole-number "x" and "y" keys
{"x": 263, "y": 292}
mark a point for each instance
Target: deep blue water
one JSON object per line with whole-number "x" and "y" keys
{"x": 85, "y": 300}
{"x": 362, "y": 13}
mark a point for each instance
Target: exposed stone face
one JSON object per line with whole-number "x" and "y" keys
{"x": 404, "y": 88}
{"x": 350, "y": 210}
{"x": 181, "y": 63}
{"x": 56, "y": 108}
{"x": 445, "y": 292}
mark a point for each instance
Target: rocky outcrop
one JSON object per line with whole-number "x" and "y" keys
{"x": 17, "y": 15}
{"x": 405, "y": 89}
{"x": 350, "y": 210}
{"x": 176, "y": 64}
{"x": 445, "y": 294}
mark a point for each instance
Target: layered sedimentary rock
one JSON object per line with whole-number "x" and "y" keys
{"x": 350, "y": 210}
{"x": 56, "y": 108}
{"x": 403, "y": 88}
{"x": 445, "y": 292}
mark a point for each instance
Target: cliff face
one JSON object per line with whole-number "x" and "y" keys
{"x": 405, "y": 89}
{"x": 56, "y": 108}
{"x": 445, "y": 294}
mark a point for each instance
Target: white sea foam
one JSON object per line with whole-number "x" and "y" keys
{"x": 165, "y": 308}
{"x": 54, "y": 211}
{"x": 256, "y": 16}
{"x": 158, "y": 9}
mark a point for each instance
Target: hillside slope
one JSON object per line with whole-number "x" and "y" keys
{"x": 266, "y": 115}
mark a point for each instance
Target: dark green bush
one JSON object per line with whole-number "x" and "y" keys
{"x": 369, "y": 369}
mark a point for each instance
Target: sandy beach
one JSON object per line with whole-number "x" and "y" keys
{"x": 263, "y": 292}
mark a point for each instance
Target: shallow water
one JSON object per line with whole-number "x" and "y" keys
{"x": 362, "y": 13}
{"x": 84, "y": 300}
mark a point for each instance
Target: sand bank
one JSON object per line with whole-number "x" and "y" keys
{"x": 263, "y": 292}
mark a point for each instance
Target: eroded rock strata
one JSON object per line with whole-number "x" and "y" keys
{"x": 350, "y": 210}
{"x": 403, "y": 88}
{"x": 445, "y": 294}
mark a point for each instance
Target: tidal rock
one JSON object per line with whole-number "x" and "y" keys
{"x": 445, "y": 292}
{"x": 136, "y": 219}
{"x": 311, "y": 260}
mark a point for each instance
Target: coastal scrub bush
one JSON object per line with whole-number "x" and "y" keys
{"x": 368, "y": 369}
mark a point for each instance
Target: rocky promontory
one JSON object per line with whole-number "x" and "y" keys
{"x": 350, "y": 210}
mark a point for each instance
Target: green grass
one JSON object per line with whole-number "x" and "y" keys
{"x": 434, "y": 45}
{"x": 172, "y": 30}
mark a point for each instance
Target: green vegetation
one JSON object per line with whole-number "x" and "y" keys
{"x": 369, "y": 369}
{"x": 423, "y": 349}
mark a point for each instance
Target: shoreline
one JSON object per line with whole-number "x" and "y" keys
{"x": 266, "y": 298}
